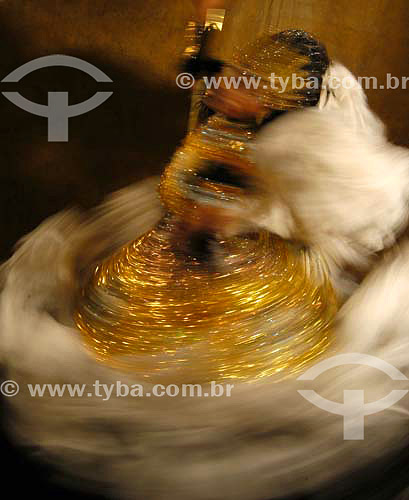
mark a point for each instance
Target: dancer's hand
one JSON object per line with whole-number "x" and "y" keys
{"x": 237, "y": 103}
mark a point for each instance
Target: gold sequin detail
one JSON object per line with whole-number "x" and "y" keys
{"x": 258, "y": 312}
{"x": 219, "y": 141}
{"x": 284, "y": 63}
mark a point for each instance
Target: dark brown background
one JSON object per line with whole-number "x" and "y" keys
{"x": 137, "y": 43}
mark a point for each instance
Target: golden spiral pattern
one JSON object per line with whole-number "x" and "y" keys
{"x": 260, "y": 308}
{"x": 218, "y": 141}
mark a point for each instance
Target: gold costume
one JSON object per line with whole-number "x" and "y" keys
{"x": 247, "y": 306}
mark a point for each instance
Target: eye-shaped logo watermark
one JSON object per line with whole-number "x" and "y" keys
{"x": 354, "y": 408}
{"x": 57, "y": 111}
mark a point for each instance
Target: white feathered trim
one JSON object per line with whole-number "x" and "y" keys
{"x": 342, "y": 91}
{"x": 265, "y": 441}
{"x": 334, "y": 182}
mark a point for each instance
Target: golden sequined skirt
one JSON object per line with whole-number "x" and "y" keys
{"x": 258, "y": 308}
